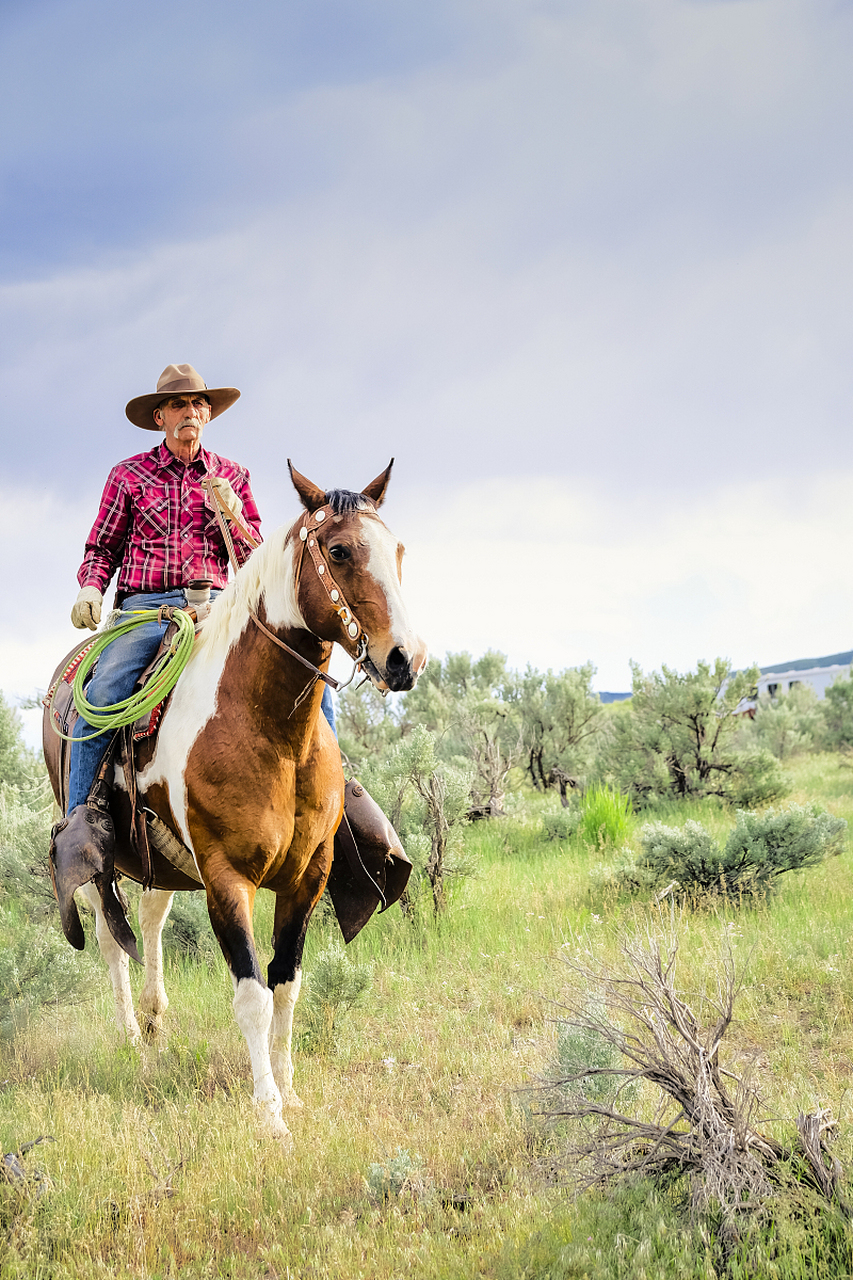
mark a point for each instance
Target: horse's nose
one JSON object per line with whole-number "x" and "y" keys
{"x": 399, "y": 674}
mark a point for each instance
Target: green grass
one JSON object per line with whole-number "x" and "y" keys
{"x": 157, "y": 1169}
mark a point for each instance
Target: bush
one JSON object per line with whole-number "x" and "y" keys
{"x": 761, "y": 847}
{"x": 188, "y": 931}
{"x": 335, "y": 985}
{"x": 38, "y": 969}
{"x": 786, "y": 725}
{"x": 426, "y": 801}
{"x": 560, "y": 824}
{"x": 677, "y": 738}
{"x": 837, "y": 713}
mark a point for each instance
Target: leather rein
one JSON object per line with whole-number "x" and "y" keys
{"x": 310, "y": 524}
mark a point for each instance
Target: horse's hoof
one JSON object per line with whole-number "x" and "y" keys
{"x": 152, "y": 1028}
{"x": 270, "y": 1121}
{"x": 292, "y": 1101}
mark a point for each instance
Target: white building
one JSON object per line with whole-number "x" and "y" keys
{"x": 818, "y": 672}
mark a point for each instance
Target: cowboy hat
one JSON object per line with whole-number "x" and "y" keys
{"x": 178, "y": 380}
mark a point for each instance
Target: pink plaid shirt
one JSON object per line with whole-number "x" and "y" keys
{"x": 156, "y": 524}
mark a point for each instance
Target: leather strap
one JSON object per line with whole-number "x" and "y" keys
{"x": 219, "y": 508}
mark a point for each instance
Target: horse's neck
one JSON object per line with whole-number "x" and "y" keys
{"x": 276, "y": 690}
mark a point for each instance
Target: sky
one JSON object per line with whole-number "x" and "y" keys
{"x": 582, "y": 267}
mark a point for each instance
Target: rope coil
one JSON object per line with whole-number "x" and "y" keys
{"x": 162, "y": 681}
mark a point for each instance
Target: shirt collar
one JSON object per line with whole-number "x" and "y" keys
{"x": 165, "y": 458}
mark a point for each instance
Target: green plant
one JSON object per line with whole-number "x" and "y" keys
{"x": 400, "y": 1172}
{"x": 38, "y": 970}
{"x": 335, "y": 985}
{"x": 677, "y": 738}
{"x": 560, "y": 824}
{"x": 605, "y": 816}
{"x": 761, "y": 848}
{"x": 187, "y": 931}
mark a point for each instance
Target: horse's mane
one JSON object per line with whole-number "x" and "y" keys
{"x": 229, "y": 612}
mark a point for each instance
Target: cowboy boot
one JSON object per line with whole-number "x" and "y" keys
{"x": 370, "y": 868}
{"x": 81, "y": 850}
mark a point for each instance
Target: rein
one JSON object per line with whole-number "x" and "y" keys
{"x": 312, "y": 521}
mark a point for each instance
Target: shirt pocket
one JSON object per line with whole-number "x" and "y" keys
{"x": 151, "y": 513}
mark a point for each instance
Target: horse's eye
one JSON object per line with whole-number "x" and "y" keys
{"x": 339, "y": 553}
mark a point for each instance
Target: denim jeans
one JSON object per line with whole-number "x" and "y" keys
{"x": 117, "y": 671}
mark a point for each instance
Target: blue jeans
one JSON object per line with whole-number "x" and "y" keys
{"x": 118, "y": 669}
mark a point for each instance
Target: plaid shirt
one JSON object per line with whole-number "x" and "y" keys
{"x": 156, "y": 524}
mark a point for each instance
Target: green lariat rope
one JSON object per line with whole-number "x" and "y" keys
{"x": 161, "y": 682}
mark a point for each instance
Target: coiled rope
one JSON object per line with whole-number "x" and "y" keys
{"x": 162, "y": 681}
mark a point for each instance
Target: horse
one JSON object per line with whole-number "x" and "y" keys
{"x": 246, "y": 772}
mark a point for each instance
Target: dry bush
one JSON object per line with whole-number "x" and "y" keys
{"x": 704, "y": 1113}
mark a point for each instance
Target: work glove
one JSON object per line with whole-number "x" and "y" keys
{"x": 227, "y": 494}
{"x": 87, "y": 608}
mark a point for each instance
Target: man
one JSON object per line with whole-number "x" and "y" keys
{"x": 156, "y": 527}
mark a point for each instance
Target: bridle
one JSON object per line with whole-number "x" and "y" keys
{"x": 311, "y": 522}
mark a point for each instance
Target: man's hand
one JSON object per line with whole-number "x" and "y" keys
{"x": 227, "y": 494}
{"x": 87, "y": 608}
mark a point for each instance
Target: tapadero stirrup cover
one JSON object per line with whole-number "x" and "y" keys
{"x": 370, "y": 867}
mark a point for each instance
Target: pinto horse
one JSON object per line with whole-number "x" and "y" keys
{"x": 246, "y": 771}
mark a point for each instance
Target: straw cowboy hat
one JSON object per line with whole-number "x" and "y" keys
{"x": 178, "y": 380}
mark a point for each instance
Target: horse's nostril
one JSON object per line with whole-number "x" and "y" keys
{"x": 398, "y": 670}
{"x": 398, "y": 660}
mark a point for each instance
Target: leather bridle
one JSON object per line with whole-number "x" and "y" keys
{"x": 312, "y": 521}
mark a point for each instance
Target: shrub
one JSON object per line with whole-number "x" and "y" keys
{"x": 761, "y": 847}
{"x": 677, "y": 738}
{"x": 786, "y": 725}
{"x": 837, "y": 714}
{"x": 399, "y": 1173}
{"x": 335, "y": 986}
{"x": 37, "y": 969}
{"x": 188, "y": 931}
{"x": 426, "y": 801}
{"x": 561, "y": 824}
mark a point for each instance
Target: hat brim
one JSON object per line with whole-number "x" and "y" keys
{"x": 141, "y": 410}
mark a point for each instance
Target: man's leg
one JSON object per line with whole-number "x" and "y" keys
{"x": 82, "y": 844}
{"x": 327, "y": 707}
{"x": 119, "y": 667}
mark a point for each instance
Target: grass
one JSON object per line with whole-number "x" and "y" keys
{"x": 156, "y": 1168}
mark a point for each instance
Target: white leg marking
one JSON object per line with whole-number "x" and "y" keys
{"x": 118, "y": 963}
{"x": 154, "y": 908}
{"x": 281, "y": 1035}
{"x": 253, "y": 1009}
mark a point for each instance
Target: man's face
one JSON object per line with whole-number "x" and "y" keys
{"x": 183, "y": 419}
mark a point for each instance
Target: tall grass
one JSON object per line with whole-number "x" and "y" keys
{"x": 156, "y": 1168}
{"x": 605, "y": 816}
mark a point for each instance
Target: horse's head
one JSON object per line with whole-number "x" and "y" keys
{"x": 348, "y": 581}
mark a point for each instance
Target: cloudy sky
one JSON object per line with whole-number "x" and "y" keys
{"x": 583, "y": 267}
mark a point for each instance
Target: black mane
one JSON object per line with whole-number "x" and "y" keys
{"x": 343, "y": 501}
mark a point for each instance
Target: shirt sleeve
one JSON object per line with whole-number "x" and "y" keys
{"x": 106, "y": 542}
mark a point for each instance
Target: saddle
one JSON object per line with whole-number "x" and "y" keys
{"x": 370, "y": 868}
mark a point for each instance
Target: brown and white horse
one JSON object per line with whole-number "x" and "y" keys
{"x": 249, "y": 777}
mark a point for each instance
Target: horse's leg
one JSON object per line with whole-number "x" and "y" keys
{"x": 230, "y": 903}
{"x": 154, "y": 908}
{"x": 118, "y": 964}
{"x": 285, "y": 971}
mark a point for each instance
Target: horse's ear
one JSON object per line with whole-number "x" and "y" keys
{"x": 311, "y": 496}
{"x": 377, "y": 488}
